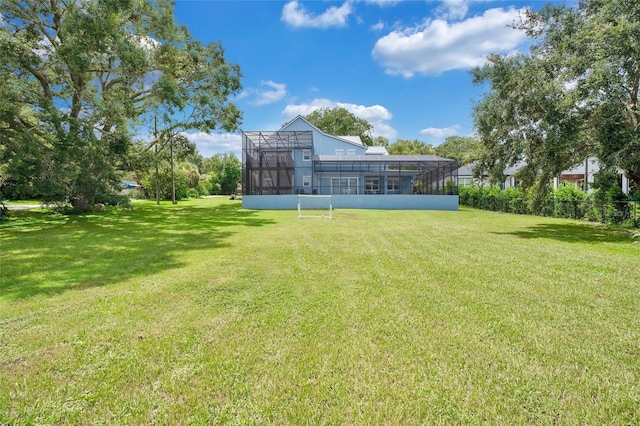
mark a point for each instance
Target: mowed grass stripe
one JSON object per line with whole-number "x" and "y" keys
{"x": 206, "y": 313}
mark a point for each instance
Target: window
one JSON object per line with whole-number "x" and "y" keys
{"x": 306, "y": 181}
{"x": 344, "y": 186}
{"x": 393, "y": 184}
{"x": 339, "y": 151}
{"x": 306, "y": 155}
{"x": 351, "y": 152}
{"x": 372, "y": 186}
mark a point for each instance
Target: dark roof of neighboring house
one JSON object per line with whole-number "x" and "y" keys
{"x": 466, "y": 170}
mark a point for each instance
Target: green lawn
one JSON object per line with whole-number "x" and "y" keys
{"x": 206, "y": 313}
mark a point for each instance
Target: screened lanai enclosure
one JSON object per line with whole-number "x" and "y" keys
{"x": 268, "y": 161}
{"x": 384, "y": 174}
{"x": 283, "y": 162}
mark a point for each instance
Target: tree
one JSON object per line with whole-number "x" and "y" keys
{"x": 575, "y": 95}
{"x": 83, "y": 73}
{"x": 231, "y": 174}
{"x": 191, "y": 172}
{"x": 410, "y": 147}
{"x": 225, "y": 171}
{"x": 464, "y": 150}
{"x": 172, "y": 147}
{"x": 340, "y": 122}
{"x": 380, "y": 141}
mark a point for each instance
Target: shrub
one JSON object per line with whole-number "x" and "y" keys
{"x": 204, "y": 187}
{"x": 149, "y": 183}
{"x": 113, "y": 200}
{"x": 610, "y": 206}
{"x": 570, "y": 202}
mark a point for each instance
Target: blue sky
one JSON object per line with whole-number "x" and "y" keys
{"x": 401, "y": 65}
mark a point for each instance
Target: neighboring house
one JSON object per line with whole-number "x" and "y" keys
{"x": 573, "y": 176}
{"x": 301, "y": 159}
{"x": 576, "y": 176}
{"x": 465, "y": 176}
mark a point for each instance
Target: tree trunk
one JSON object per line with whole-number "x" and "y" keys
{"x": 173, "y": 176}
{"x": 80, "y": 205}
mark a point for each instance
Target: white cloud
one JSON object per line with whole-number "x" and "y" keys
{"x": 376, "y": 115}
{"x": 378, "y": 27}
{"x": 260, "y": 96}
{"x": 438, "y": 134}
{"x": 209, "y": 144}
{"x": 44, "y": 50}
{"x": 294, "y": 14}
{"x": 454, "y": 9}
{"x": 149, "y": 44}
{"x": 438, "y": 46}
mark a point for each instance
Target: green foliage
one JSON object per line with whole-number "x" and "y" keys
{"x": 205, "y": 187}
{"x": 164, "y": 182}
{"x": 111, "y": 199}
{"x": 464, "y": 150}
{"x": 340, "y": 122}
{"x": 225, "y": 171}
{"x": 192, "y": 193}
{"x": 78, "y": 77}
{"x": 410, "y": 147}
{"x": 565, "y": 202}
{"x": 574, "y": 96}
{"x": 191, "y": 171}
{"x": 450, "y": 187}
{"x": 380, "y": 141}
{"x": 607, "y": 187}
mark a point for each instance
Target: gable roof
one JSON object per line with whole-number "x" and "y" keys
{"x": 353, "y": 140}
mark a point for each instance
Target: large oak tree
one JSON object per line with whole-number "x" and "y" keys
{"x": 80, "y": 75}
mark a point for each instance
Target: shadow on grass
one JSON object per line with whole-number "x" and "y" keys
{"x": 573, "y": 233}
{"x": 47, "y": 254}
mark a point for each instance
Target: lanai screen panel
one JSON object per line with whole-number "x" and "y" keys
{"x": 397, "y": 174}
{"x": 268, "y": 160}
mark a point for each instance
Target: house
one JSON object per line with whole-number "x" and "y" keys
{"x": 589, "y": 168}
{"x": 301, "y": 159}
{"x": 466, "y": 177}
{"x": 572, "y": 176}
